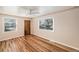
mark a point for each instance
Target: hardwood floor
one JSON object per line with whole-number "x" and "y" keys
{"x": 28, "y": 43}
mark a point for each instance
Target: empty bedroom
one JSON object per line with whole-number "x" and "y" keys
{"x": 39, "y": 28}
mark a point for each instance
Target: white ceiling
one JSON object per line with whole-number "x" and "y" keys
{"x": 49, "y": 9}
{"x": 41, "y": 10}
{"x": 35, "y": 10}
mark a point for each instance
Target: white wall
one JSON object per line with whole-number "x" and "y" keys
{"x": 66, "y": 28}
{"x": 12, "y": 34}
{"x": 13, "y": 10}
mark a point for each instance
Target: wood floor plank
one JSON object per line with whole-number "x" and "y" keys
{"x": 28, "y": 43}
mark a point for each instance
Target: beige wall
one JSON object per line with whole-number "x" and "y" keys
{"x": 66, "y": 28}
{"x": 8, "y": 35}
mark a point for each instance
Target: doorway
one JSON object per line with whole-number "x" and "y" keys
{"x": 26, "y": 27}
